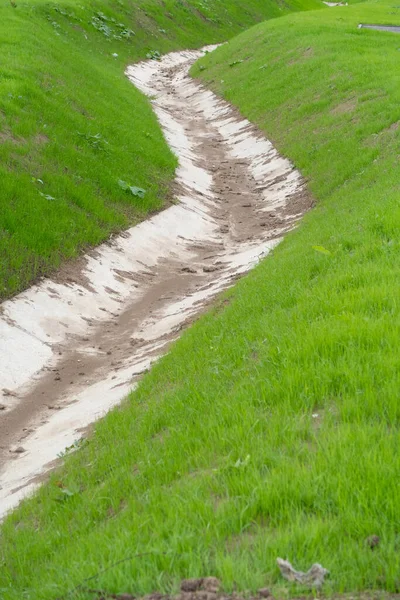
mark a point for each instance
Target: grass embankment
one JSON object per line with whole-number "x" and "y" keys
{"x": 272, "y": 427}
{"x": 72, "y": 126}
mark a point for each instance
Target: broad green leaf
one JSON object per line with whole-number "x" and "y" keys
{"x": 122, "y": 184}
{"x": 137, "y": 191}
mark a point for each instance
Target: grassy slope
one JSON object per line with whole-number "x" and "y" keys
{"x": 60, "y": 85}
{"x": 271, "y": 429}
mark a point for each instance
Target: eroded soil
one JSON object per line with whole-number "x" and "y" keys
{"x": 209, "y": 588}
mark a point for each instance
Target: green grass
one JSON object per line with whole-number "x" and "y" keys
{"x": 272, "y": 427}
{"x": 60, "y": 86}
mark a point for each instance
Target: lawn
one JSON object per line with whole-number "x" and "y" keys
{"x": 272, "y": 427}
{"x": 72, "y": 126}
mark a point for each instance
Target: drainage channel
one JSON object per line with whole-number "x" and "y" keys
{"x": 73, "y": 347}
{"x": 392, "y": 28}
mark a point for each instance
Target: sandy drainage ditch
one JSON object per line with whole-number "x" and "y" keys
{"x": 390, "y": 28}
{"x": 71, "y": 349}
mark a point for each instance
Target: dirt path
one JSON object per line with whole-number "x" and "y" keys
{"x": 71, "y": 349}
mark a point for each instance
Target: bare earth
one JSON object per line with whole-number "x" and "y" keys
{"x": 72, "y": 348}
{"x": 208, "y": 588}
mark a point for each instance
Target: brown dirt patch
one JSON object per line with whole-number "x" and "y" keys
{"x": 385, "y": 135}
{"x": 203, "y": 588}
{"x": 208, "y": 588}
{"x": 6, "y": 135}
{"x": 303, "y": 55}
{"x": 344, "y": 107}
{"x": 39, "y": 139}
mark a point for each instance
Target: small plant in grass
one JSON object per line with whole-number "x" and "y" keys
{"x": 322, "y": 250}
{"x": 79, "y": 443}
{"x": 97, "y": 142}
{"x": 47, "y": 196}
{"x": 125, "y": 33}
{"x": 133, "y": 189}
{"x": 100, "y": 22}
{"x": 65, "y": 13}
{"x": 153, "y": 55}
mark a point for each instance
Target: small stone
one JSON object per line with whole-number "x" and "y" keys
{"x": 211, "y": 584}
{"x": 264, "y": 593}
{"x": 3, "y": 407}
{"x": 191, "y": 585}
{"x": 57, "y": 378}
{"x": 18, "y": 450}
